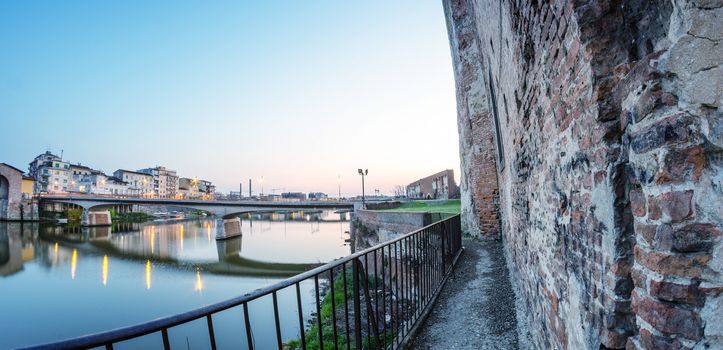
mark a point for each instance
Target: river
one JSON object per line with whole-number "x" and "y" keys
{"x": 58, "y": 282}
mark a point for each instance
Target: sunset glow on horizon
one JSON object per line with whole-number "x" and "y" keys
{"x": 297, "y": 93}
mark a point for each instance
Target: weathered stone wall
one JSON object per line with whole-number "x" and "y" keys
{"x": 387, "y": 223}
{"x": 11, "y": 181}
{"x": 601, "y": 121}
{"x": 478, "y": 181}
{"x": 383, "y": 205}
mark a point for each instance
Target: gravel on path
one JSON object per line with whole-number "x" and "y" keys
{"x": 476, "y": 307}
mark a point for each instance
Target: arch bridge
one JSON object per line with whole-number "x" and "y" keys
{"x": 226, "y": 212}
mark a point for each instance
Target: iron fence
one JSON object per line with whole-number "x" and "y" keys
{"x": 372, "y": 299}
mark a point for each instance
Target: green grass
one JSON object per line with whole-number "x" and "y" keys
{"x": 312, "y": 335}
{"x": 451, "y": 206}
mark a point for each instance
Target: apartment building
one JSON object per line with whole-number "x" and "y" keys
{"x": 165, "y": 181}
{"x": 437, "y": 186}
{"x": 51, "y": 174}
{"x": 139, "y": 183}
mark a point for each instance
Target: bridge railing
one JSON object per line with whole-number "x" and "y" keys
{"x": 372, "y": 299}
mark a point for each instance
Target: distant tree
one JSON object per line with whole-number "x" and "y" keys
{"x": 399, "y": 191}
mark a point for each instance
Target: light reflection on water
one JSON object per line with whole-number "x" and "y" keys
{"x": 108, "y": 277}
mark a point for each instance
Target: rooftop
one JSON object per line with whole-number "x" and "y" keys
{"x": 12, "y": 167}
{"x": 131, "y": 171}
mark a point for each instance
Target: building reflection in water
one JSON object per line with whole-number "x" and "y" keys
{"x": 105, "y": 270}
{"x": 148, "y": 274}
{"x": 62, "y": 245}
{"x": 73, "y": 263}
{"x": 16, "y": 246}
{"x": 199, "y": 283}
{"x": 153, "y": 239}
{"x": 180, "y": 229}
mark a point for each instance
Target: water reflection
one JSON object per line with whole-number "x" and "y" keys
{"x": 73, "y": 263}
{"x": 199, "y": 282}
{"x": 181, "y": 260}
{"x": 105, "y": 270}
{"x": 148, "y": 274}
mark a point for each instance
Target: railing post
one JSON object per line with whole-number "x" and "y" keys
{"x": 441, "y": 236}
{"x": 357, "y": 304}
{"x": 371, "y": 313}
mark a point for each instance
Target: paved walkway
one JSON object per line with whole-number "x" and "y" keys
{"x": 476, "y": 308}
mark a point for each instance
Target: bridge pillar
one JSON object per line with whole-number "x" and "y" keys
{"x": 229, "y": 248}
{"x": 101, "y": 218}
{"x": 85, "y": 218}
{"x": 228, "y": 228}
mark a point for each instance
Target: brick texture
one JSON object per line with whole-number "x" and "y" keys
{"x": 478, "y": 182}
{"x": 10, "y": 193}
{"x": 591, "y": 134}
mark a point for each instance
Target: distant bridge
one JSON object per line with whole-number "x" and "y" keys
{"x": 223, "y": 210}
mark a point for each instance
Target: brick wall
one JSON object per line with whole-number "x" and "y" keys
{"x": 478, "y": 181}
{"x": 10, "y": 207}
{"x": 597, "y": 127}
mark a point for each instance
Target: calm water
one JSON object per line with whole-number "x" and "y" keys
{"x": 58, "y": 282}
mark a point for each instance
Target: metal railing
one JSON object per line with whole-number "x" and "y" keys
{"x": 374, "y": 299}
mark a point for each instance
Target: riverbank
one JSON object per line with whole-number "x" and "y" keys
{"x": 393, "y": 219}
{"x": 451, "y": 206}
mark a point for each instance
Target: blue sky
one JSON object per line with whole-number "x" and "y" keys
{"x": 295, "y": 91}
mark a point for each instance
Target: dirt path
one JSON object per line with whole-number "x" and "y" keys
{"x": 476, "y": 308}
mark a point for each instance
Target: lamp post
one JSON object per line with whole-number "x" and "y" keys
{"x": 338, "y": 181}
{"x": 363, "y": 173}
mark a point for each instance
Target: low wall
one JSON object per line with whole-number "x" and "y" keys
{"x": 371, "y": 227}
{"x": 388, "y": 223}
{"x": 383, "y": 205}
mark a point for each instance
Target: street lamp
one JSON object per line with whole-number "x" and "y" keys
{"x": 363, "y": 173}
{"x": 338, "y": 181}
